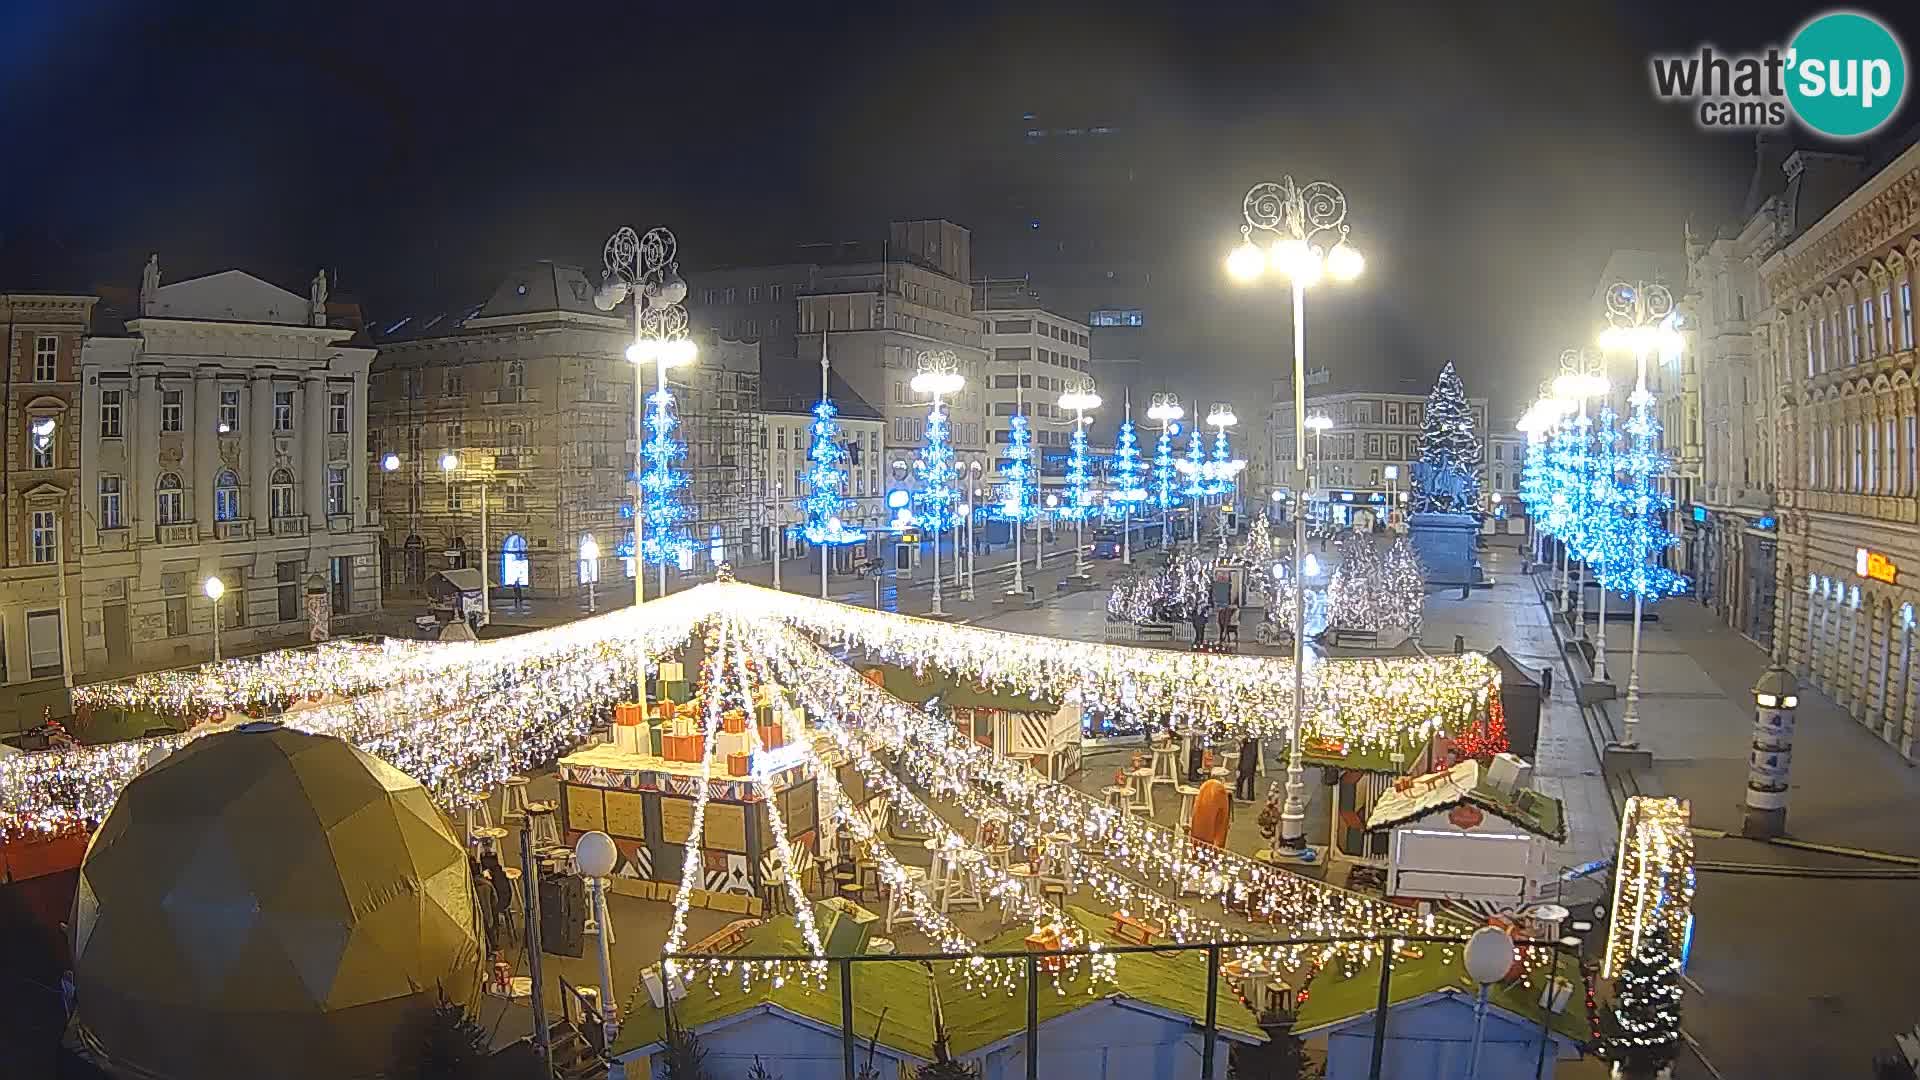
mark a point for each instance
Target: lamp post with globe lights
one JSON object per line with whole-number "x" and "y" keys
{"x": 938, "y": 377}
{"x": 449, "y": 465}
{"x": 646, "y": 269}
{"x": 1081, "y": 400}
{"x": 596, "y": 855}
{"x": 215, "y": 589}
{"x": 1222, "y": 468}
{"x": 1301, "y": 220}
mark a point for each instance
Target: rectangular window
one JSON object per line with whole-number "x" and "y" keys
{"x": 229, "y": 411}
{"x": 110, "y": 502}
{"x": 340, "y": 577}
{"x": 1853, "y": 334}
{"x": 776, "y": 293}
{"x": 110, "y": 414}
{"x": 336, "y": 489}
{"x": 170, "y": 410}
{"x": 1887, "y": 339}
{"x": 46, "y": 358}
{"x": 1810, "y": 355}
{"x": 177, "y": 616}
{"x": 287, "y": 584}
{"x": 1913, "y": 454}
{"x": 171, "y": 505}
{"x": 1117, "y": 317}
{"x": 337, "y": 411}
{"x": 40, "y": 537}
{"x": 283, "y": 408}
{"x": 1891, "y": 451}
{"x": 1873, "y": 458}
{"x": 44, "y": 651}
{"x": 1858, "y": 470}
{"x": 753, "y": 294}
{"x": 1906, "y": 315}
{"x": 1866, "y": 329}
{"x": 453, "y": 497}
{"x": 41, "y": 441}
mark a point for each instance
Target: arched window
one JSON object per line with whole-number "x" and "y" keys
{"x": 589, "y": 558}
{"x": 172, "y": 501}
{"x": 226, "y": 496}
{"x": 513, "y": 560}
{"x": 281, "y": 489}
{"x": 516, "y": 374}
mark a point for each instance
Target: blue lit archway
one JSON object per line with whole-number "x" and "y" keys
{"x": 513, "y": 560}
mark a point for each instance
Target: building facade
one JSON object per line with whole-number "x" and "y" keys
{"x": 1035, "y": 355}
{"x": 1840, "y": 338}
{"x": 532, "y": 395}
{"x": 875, "y": 318}
{"x": 222, "y": 432}
{"x": 1372, "y": 431}
{"x": 40, "y": 648}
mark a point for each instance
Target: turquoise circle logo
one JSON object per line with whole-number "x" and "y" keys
{"x": 1847, "y": 74}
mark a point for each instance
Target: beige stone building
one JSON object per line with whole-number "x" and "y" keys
{"x": 222, "y": 432}
{"x": 38, "y": 641}
{"x": 532, "y": 394}
{"x": 1840, "y": 337}
{"x": 1372, "y": 431}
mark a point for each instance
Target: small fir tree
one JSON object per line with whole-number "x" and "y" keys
{"x": 935, "y": 501}
{"x": 821, "y": 521}
{"x": 1643, "y": 1033}
{"x": 1645, "y": 508}
{"x": 1126, "y": 473}
{"x": 1017, "y": 490}
{"x": 1448, "y": 440}
{"x": 1078, "y": 504}
{"x": 456, "y": 1045}
{"x": 664, "y": 539}
{"x": 1165, "y": 470}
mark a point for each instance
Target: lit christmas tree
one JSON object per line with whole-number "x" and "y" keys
{"x": 1369, "y": 592}
{"x": 1645, "y": 508}
{"x": 1164, "y": 469}
{"x": 1194, "y": 468}
{"x": 1016, "y": 492}
{"x": 1607, "y": 534}
{"x": 827, "y": 482}
{"x": 664, "y": 537}
{"x": 1533, "y": 482}
{"x": 1221, "y": 465}
{"x": 1079, "y": 502}
{"x": 1486, "y": 737}
{"x": 1448, "y": 441}
{"x": 1404, "y": 581}
{"x": 1259, "y": 549}
{"x": 934, "y": 503}
{"x": 1643, "y": 1035}
{"x": 1126, "y": 472}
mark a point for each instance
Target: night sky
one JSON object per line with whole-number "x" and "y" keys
{"x": 1492, "y": 154}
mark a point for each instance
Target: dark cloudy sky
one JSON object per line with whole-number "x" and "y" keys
{"x": 1493, "y": 154}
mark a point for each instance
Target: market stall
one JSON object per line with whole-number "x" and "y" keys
{"x": 1043, "y": 733}
{"x": 1357, "y": 776}
{"x": 1472, "y": 833}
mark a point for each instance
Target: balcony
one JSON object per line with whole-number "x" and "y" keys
{"x": 339, "y": 523}
{"x": 177, "y": 535}
{"x": 290, "y": 526}
{"x": 237, "y": 529}
{"x": 114, "y": 539}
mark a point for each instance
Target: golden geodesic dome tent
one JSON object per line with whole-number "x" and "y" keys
{"x": 268, "y": 903}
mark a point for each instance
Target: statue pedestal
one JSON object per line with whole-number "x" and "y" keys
{"x": 1446, "y": 544}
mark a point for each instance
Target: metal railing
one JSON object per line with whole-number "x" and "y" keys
{"x": 1210, "y": 1068}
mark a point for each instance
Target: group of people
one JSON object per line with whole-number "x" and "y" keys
{"x": 495, "y": 891}
{"x": 1227, "y": 616}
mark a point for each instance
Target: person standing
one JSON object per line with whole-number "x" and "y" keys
{"x": 1249, "y": 765}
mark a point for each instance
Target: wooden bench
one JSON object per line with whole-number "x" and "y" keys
{"x": 1135, "y": 931}
{"x": 728, "y": 938}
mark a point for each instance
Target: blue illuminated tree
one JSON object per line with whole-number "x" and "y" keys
{"x": 1079, "y": 502}
{"x": 1534, "y": 485}
{"x": 1194, "y": 468}
{"x": 1645, "y": 508}
{"x": 934, "y": 503}
{"x": 1017, "y": 491}
{"x": 1164, "y": 470}
{"x": 1222, "y": 464}
{"x": 821, "y": 509}
{"x": 1126, "y": 473}
{"x": 663, "y": 515}
{"x": 1604, "y": 536}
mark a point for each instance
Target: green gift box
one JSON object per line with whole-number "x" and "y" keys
{"x": 674, "y": 690}
{"x": 654, "y": 735}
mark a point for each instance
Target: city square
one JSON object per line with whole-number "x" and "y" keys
{"x": 1110, "y": 598}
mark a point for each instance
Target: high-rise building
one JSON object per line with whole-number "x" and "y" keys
{"x": 1034, "y": 354}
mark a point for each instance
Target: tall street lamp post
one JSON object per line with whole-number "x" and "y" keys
{"x": 1080, "y": 399}
{"x": 1167, "y": 413}
{"x": 590, "y": 566}
{"x": 450, "y": 464}
{"x": 215, "y": 589}
{"x": 647, "y": 270}
{"x": 1300, "y": 219}
{"x": 1581, "y": 381}
{"x": 1642, "y": 321}
{"x": 1319, "y": 423}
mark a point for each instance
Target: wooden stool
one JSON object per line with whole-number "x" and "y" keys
{"x": 1166, "y": 763}
{"x": 896, "y": 911}
{"x": 1142, "y": 792}
{"x": 513, "y": 799}
{"x": 1000, "y": 857}
{"x": 1060, "y": 865}
{"x": 1117, "y": 796}
{"x": 546, "y": 823}
{"x": 1187, "y": 794}
{"x": 1053, "y": 892}
{"x": 963, "y": 883}
{"x": 479, "y": 815}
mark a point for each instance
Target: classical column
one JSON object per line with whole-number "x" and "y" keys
{"x": 146, "y": 467}
{"x": 313, "y": 450}
{"x": 203, "y": 462}
{"x": 258, "y": 434}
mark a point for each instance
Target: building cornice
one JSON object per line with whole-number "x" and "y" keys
{"x": 1874, "y": 216}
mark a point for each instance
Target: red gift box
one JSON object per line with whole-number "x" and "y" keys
{"x": 628, "y": 714}
{"x": 737, "y": 764}
{"x": 1042, "y": 940}
{"x": 734, "y": 722}
{"x": 772, "y": 737}
{"x": 663, "y": 710}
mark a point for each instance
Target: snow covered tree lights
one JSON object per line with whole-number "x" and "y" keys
{"x": 664, "y": 537}
{"x": 1448, "y": 444}
{"x": 1643, "y": 1035}
{"x": 821, "y": 522}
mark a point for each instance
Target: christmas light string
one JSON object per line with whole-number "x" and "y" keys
{"x": 271, "y": 681}
{"x": 1654, "y": 880}
{"x": 690, "y": 852}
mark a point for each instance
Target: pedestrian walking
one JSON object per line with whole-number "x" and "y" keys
{"x": 1249, "y": 765}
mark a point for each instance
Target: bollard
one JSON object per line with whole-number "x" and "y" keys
{"x": 1775, "y": 697}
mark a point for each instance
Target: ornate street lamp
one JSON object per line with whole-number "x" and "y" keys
{"x": 1301, "y": 221}
{"x": 938, "y": 376}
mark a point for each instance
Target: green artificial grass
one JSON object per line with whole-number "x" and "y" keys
{"x": 1172, "y": 982}
{"x": 954, "y": 693}
{"x": 1334, "y": 997}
